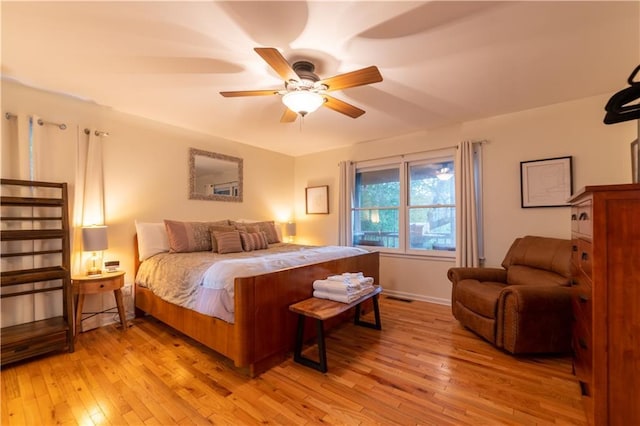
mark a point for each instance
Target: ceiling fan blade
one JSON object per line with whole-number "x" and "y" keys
{"x": 352, "y": 79}
{"x": 248, "y": 93}
{"x": 288, "y": 116}
{"x": 342, "y": 107}
{"x": 276, "y": 61}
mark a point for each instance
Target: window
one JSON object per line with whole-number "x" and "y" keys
{"x": 406, "y": 206}
{"x": 376, "y": 212}
{"x": 432, "y": 206}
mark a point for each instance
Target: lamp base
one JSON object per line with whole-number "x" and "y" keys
{"x": 94, "y": 272}
{"x": 93, "y": 268}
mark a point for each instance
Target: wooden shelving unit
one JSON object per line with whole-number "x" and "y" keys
{"x": 35, "y": 232}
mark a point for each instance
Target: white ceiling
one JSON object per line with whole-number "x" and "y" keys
{"x": 443, "y": 62}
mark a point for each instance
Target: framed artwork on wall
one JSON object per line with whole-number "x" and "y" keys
{"x": 317, "y": 199}
{"x": 546, "y": 183}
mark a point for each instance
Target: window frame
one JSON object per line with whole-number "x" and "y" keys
{"x": 404, "y": 163}
{"x": 372, "y": 168}
{"x": 431, "y": 253}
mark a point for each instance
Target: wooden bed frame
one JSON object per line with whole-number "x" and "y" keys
{"x": 264, "y": 329}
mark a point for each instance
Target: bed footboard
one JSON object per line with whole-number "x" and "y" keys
{"x": 264, "y": 326}
{"x": 264, "y": 329}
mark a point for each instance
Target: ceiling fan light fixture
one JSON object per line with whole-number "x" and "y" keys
{"x": 304, "y": 91}
{"x": 302, "y": 101}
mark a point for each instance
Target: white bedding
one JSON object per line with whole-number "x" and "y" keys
{"x": 204, "y": 281}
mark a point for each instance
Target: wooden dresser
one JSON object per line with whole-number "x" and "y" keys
{"x": 605, "y": 223}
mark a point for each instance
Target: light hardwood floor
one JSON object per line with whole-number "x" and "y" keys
{"x": 422, "y": 368}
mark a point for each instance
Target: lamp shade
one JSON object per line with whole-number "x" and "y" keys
{"x": 291, "y": 229}
{"x": 302, "y": 101}
{"x": 94, "y": 238}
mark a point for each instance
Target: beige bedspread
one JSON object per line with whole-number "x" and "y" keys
{"x": 204, "y": 281}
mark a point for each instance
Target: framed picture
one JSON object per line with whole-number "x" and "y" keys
{"x": 317, "y": 199}
{"x": 546, "y": 183}
{"x": 635, "y": 160}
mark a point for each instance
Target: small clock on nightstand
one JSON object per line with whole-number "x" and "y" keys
{"x": 94, "y": 284}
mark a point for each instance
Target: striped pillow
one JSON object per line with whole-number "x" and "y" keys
{"x": 228, "y": 242}
{"x": 254, "y": 241}
{"x": 267, "y": 226}
{"x": 213, "y": 230}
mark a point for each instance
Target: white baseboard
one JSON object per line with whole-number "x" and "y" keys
{"x": 419, "y": 297}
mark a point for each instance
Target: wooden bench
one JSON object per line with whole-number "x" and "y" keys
{"x": 322, "y": 309}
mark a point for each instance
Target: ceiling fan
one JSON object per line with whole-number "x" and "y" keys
{"x": 304, "y": 91}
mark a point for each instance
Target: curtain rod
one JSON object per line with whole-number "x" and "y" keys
{"x": 97, "y": 132}
{"x": 481, "y": 142}
{"x": 40, "y": 121}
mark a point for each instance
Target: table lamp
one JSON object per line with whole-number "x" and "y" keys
{"x": 291, "y": 231}
{"x": 94, "y": 239}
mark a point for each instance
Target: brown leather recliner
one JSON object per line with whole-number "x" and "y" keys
{"x": 525, "y": 307}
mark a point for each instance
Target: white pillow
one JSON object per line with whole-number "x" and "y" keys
{"x": 152, "y": 239}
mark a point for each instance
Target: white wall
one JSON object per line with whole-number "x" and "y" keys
{"x": 146, "y": 168}
{"x": 601, "y": 155}
{"x": 146, "y": 174}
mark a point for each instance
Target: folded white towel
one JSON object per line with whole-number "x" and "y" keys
{"x": 362, "y": 281}
{"x": 344, "y": 275}
{"x": 343, "y": 298}
{"x": 336, "y": 287}
{"x": 353, "y": 274}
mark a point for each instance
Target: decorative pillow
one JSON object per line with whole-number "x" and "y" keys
{"x": 268, "y": 227}
{"x": 264, "y": 239}
{"x": 228, "y": 242}
{"x": 254, "y": 241}
{"x": 278, "y": 227}
{"x": 152, "y": 239}
{"x": 246, "y": 227}
{"x": 190, "y": 236}
{"x": 218, "y": 228}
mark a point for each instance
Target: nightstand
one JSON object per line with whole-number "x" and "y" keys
{"x": 94, "y": 284}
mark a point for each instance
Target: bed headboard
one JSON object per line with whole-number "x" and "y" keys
{"x": 136, "y": 253}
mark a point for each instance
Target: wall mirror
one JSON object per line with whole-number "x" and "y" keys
{"x": 214, "y": 176}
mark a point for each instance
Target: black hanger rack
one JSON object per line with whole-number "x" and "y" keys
{"x": 620, "y": 106}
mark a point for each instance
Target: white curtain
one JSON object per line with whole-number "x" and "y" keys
{"x": 88, "y": 204}
{"x": 467, "y": 234}
{"x": 27, "y": 155}
{"x": 47, "y": 304}
{"x": 33, "y": 149}
{"x": 17, "y": 165}
{"x": 344, "y": 203}
{"x": 89, "y": 209}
